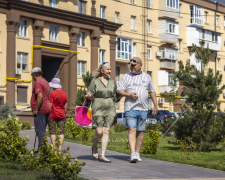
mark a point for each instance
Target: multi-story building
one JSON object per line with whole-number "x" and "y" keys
{"x": 46, "y": 33}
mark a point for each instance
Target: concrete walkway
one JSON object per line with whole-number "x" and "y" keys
{"x": 121, "y": 168}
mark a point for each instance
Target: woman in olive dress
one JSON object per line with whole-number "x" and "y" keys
{"x": 102, "y": 91}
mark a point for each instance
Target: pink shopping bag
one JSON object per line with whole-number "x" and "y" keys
{"x": 83, "y": 116}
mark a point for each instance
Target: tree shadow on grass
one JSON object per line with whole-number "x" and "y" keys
{"x": 170, "y": 148}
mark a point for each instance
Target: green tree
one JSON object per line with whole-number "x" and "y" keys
{"x": 199, "y": 120}
{"x": 5, "y": 110}
{"x": 87, "y": 78}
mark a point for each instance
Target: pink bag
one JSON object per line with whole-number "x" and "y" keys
{"x": 83, "y": 116}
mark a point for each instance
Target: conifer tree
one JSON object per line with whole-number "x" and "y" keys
{"x": 199, "y": 120}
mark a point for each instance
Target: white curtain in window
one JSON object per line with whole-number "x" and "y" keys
{"x": 102, "y": 12}
{"x": 132, "y": 22}
{"x": 149, "y": 3}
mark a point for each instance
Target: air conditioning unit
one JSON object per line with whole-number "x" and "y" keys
{"x": 161, "y": 100}
{"x": 158, "y": 54}
{"x": 18, "y": 71}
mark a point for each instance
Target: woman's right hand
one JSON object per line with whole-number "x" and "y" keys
{"x": 88, "y": 95}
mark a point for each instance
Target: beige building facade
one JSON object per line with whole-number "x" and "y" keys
{"x": 46, "y": 33}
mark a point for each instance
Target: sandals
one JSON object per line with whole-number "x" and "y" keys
{"x": 104, "y": 159}
{"x": 94, "y": 155}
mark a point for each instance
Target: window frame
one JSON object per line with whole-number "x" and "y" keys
{"x": 56, "y": 31}
{"x": 80, "y": 68}
{"x": 174, "y": 26}
{"x": 217, "y": 64}
{"x": 25, "y": 100}
{"x": 174, "y": 4}
{"x": 21, "y": 63}
{"x": 170, "y": 78}
{"x": 206, "y": 16}
{"x": 80, "y": 39}
{"x": 101, "y": 56}
{"x": 102, "y": 12}
{"x": 124, "y": 48}
{"x": 217, "y": 20}
{"x": 149, "y": 52}
{"x": 132, "y": 22}
{"x": 179, "y": 45}
{"x": 52, "y": 4}
{"x": 132, "y": 1}
{"x": 149, "y": 24}
{"x": 149, "y": 4}
{"x": 117, "y": 17}
{"x": 81, "y": 3}
{"x": 25, "y": 27}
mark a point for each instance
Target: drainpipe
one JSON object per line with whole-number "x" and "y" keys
{"x": 217, "y": 39}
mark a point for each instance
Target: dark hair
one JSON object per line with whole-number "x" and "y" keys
{"x": 38, "y": 73}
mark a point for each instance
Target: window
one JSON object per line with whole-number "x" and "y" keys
{"x": 101, "y": 56}
{"x": 22, "y": 94}
{"x": 148, "y": 26}
{"x": 148, "y": 52}
{"x": 117, "y": 17}
{"x": 217, "y": 20}
{"x": 170, "y": 78}
{"x": 132, "y": 1}
{"x": 209, "y": 36}
{"x": 218, "y": 64}
{"x": 132, "y": 22}
{"x": 124, "y": 49}
{"x": 81, "y": 68}
{"x": 206, "y": 17}
{"x": 22, "y": 61}
{"x": 201, "y": 34}
{"x": 169, "y": 53}
{"x": 196, "y": 15}
{"x": 82, "y": 7}
{"x": 53, "y": 33}
{"x": 81, "y": 38}
{"x": 149, "y": 3}
{"x": 22, "y": 28}
{"x": 53, "y": 3}
{"x": 102, "y": 12}
{"x": 173, "y": 4}
{"x": 224, "y": 21}
{"x": 179, "y": 9}
{"x": 172, "y": 27}
{"x": 150, "y": 73}
{"x": 1, "y": 100}
{"x": 179, "y": 45}
{"x": 134, "y": 49}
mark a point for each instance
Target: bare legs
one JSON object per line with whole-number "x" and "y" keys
{"x": 135, "y": 139}
{"x": 53, "y": 138}
{"x": 104, "y": 132}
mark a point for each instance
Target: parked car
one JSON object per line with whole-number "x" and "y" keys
{"x": 175, "y": 115}
{"x": 159, "y": 117}
{"x": 120, "y": 118}
{"x": 168, "y": 114}
{"x": 151, "y": 120}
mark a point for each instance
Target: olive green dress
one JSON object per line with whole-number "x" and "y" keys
{"x": 103, "y": 107}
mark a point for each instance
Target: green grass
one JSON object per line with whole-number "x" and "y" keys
{"x": 12, "y": 171}
{"x": 166, "y": 152}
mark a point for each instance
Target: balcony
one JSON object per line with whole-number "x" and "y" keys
{"x": 169, "y": 9}
{"x": 212, "y": 39}
{"x": 168, "y": 31}
{"x": 196, "y": 21}
{"x": 164, "y": 88}
{"x": 167, "y": 64}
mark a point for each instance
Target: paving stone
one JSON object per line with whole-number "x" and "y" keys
{"x": 121, "y": 168}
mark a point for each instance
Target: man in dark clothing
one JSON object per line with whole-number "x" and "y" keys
{"x": 40, "y": 103}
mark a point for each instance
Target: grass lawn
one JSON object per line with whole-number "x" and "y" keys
{"x": 11, "y": 171}
{"x": 166, "y": 152}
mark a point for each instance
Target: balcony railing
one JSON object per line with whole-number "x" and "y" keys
{"x": 169, "y": 54}
{"x": 167, "y": 64}
{"x": 197, "y": 21}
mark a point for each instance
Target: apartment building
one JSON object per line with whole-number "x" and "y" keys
{"x": 46, "y": 33}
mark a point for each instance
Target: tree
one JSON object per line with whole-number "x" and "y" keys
{"x": 199, "y": 119}
{"x": 87, "y": 78}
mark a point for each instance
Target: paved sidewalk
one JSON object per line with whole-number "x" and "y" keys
{"x": 120, "y": 168}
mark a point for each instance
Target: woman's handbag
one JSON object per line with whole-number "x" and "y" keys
{"x": 83, "y": 116}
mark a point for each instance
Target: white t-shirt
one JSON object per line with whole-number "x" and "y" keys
{"x": 136, "y": 83}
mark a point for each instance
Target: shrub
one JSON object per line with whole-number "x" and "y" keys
{"x": 12, "y": 146}
{"x": 5, "y": 110}
{"x": 52, "y": 159}
{"x": 25, "y": 125}
{"x": 120, "y": 128}
{"x": 151, "y": 142}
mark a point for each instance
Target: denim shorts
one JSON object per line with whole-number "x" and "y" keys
{"x": 137, "y": 119}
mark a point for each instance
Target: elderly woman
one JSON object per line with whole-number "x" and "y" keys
{"x": 102, "y": 91}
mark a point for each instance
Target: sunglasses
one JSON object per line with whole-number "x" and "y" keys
{"x": 105, "y": 63}
{"x": 133, "y": 60}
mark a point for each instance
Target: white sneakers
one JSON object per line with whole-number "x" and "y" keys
{"x": 135, "y": 157}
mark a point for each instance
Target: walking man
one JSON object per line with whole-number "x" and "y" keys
{"x": 139, "y": 85}
{"x": 40, "y": 103}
